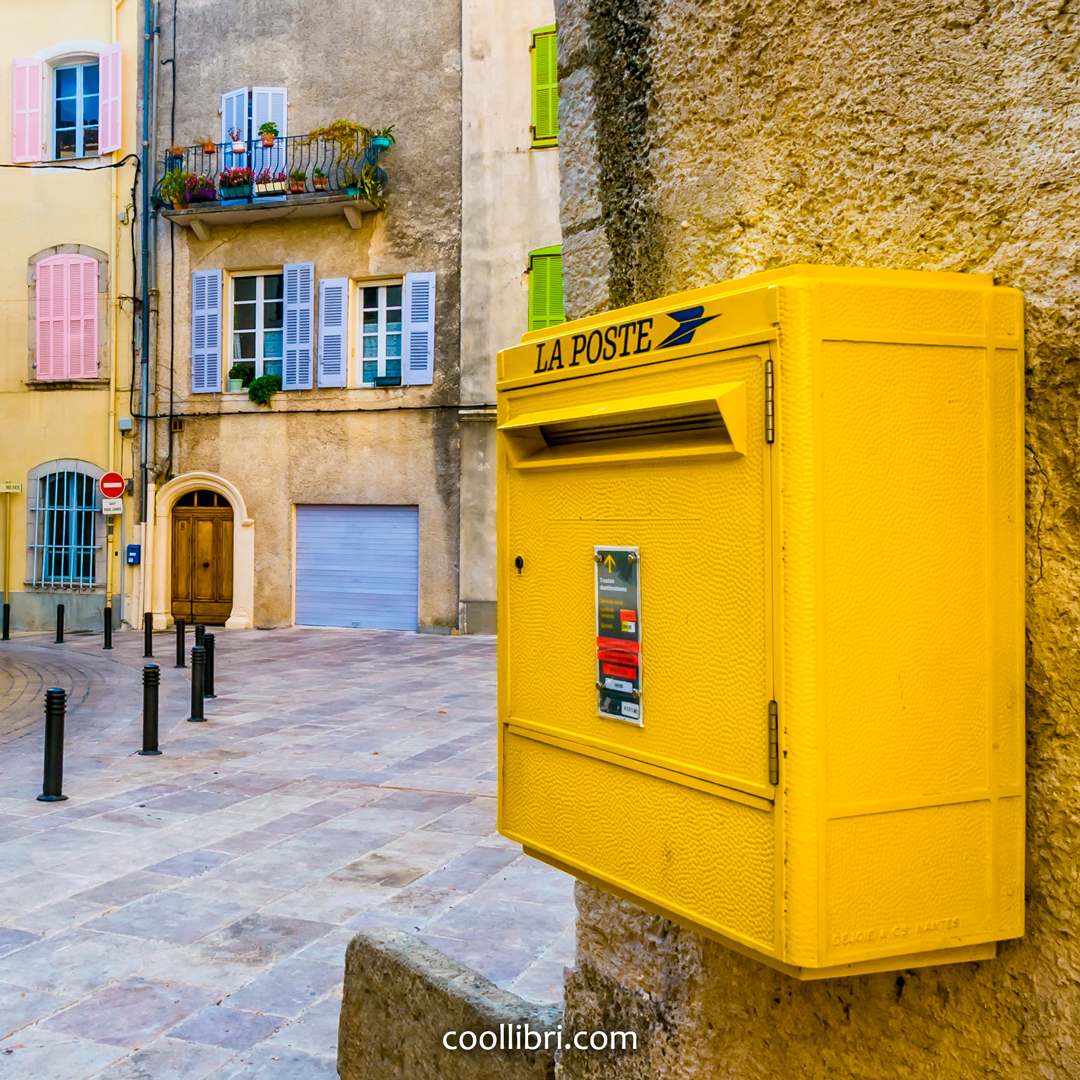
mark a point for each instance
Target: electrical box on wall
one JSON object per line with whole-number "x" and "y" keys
{"x": 761, "y": 612}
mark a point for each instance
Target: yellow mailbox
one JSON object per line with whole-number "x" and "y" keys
{"x": 761, "y": 612}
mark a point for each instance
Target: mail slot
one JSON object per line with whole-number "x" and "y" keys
{"x": 761, "y": 669}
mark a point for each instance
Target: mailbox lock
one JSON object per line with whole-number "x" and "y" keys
{"x": 519, "y": 562}
{"x": 631, "y": 558}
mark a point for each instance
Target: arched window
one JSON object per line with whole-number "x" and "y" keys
{"x": 64, "y": 527}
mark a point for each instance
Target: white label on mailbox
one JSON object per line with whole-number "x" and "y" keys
{"x": 618, "y": 633}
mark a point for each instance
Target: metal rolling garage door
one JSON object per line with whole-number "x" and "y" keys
{"x": 357, "y": 566}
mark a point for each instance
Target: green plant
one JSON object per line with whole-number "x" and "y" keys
{"x": 174, "y": 186}
{"x": 269, "y": 128}
{"x": 264, "y": 388}
{"x": 299, "y": 174}
{"x": 344, "y": 134}
{"x": 387, "y": 133}
{"x": 318, "y": 173}
{"x": 243, "y": 372}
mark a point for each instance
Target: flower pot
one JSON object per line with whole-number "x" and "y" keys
{"x": 179, "y": 204}
{"x": 236, "y": 385}
{"x": 353, "y": 192}
{"x": 297, "y": 187}
{"x": 202, "y": 195}
{"x": 275, "y": 187}
{"x": 380, "y": 143}
{"x": 237, "y": 191}
{"x": 209, "y": 148}
{"x": 268, "y": 140}
{"x": 320, "y": 183}
{"x": 239, "y": 147}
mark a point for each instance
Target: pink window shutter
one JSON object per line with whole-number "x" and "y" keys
{"x": 82, "y": 317}
{"x": 28, "y": 89}
{"x": 110, "y": 68}
{"x": 67, "y": 327}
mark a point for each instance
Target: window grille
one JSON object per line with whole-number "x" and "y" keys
{"x": 65, "y": 547}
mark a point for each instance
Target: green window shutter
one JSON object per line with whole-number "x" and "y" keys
{"x": 545, "y": 288}
{"x": 545, "y": 95}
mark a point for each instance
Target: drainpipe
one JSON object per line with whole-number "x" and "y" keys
{"x": 149, "y": 161}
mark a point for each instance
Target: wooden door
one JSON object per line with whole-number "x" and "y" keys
{"x": 202, "y": 543}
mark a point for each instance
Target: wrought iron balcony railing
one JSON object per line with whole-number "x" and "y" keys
{"x": 234, "y": 174}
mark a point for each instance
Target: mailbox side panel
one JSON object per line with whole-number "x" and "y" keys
{"x": 919, "y": 683}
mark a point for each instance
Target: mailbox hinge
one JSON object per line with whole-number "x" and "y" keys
{"x": 774, "y": 744}
{"x": 769, "y": 415}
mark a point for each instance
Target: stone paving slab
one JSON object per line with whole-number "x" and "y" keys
{"x": 186, "y": 916}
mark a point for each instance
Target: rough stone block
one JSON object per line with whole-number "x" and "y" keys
{"x": 579, "y": 193}
{"x": 401, "y": 999}
{"x": 586, "y": 259}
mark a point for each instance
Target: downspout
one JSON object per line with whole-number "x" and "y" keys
{"x": 148, "y": 274}
{"x": 113, "y": 330}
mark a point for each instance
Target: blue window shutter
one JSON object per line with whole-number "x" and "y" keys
{"x": 206, "y": 332}
{"x": 333, "y": 330}
{"x": 418, "y": 354}
{"x": 299, "y": 325}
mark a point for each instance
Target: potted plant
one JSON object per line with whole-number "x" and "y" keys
{"x": 319, "y": 179}
{"x": 238, "y": 144}
{"x": 262, "y": 389}
{"x": 269, "y": 133}
{"x": 297, "y": 181}
{"x": 383, "y": 139}
{"x": 174, "y": 188}
{"x": 208, "y": 144}
{"x": 201, "y": 189}
{"x": 237, "y": 374}
{"x": 271, "y": 183}
{"x": 236, "y": 183}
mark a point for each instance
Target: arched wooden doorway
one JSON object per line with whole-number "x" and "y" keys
{"x": 202, "y": 558}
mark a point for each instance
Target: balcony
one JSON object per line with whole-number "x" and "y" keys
{"x": 297, "y": 177}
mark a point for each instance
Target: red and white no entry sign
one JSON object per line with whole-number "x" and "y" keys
{"x": 112, "y": 485}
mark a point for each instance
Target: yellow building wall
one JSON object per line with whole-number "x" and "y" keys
{"x": 40, "y": 208}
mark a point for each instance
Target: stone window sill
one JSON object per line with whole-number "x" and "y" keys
{"x": 67, "y": 384}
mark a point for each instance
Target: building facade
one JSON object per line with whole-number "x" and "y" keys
{"x": 68, "y": 313}
{"x": 703, "y": 143}
{"x": 363, "y": 288}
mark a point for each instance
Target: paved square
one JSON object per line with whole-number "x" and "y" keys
{"x": 187, "y": 915}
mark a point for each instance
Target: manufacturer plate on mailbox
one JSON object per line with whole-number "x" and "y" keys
{"x": 618, "y": 633}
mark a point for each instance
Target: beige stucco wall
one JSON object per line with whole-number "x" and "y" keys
{"x": 703, "y": 143}
{"x": 395, "y": 445}
{"x": 510, "y": 206}
{"x": 42, "y": 209}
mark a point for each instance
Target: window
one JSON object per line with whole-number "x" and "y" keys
{"x": 380, "y": 335}
{"x": 545, "y": 288}
{"x": 545, "y": 88}
{"x": 63, "y": 544}
{"x": 258, "y": 322}
{"x": 75, "y": 105}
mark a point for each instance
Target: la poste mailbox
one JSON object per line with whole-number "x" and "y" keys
{"x": 760, "y": 612}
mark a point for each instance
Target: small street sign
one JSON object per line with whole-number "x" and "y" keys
{"x": 109, "y": 507}
{"x": 8, "y": 488}
{"x": 112, "y": 486}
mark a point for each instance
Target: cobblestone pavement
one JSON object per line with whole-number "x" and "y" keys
{"x": 186, "y": 916}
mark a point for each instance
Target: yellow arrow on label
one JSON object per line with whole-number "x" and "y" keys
{"x": 609, "y": 562}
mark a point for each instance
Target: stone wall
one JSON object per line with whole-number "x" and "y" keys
{"x": 707, "y": 139}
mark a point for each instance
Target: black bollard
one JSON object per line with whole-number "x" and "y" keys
{"x": 180, "y": 660}
{"x": 59, "y": 624}
{"x": 148, "y": 634}
{"x": 55, "y": 704}
{"x": 208, "y": 679}
{"x": 151, "y": 680}
{"x": 7, "y": 622}
{"x": 200, "y": 633}
{"x": 108, "y": 629}
{"x": 198, "y": 685}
